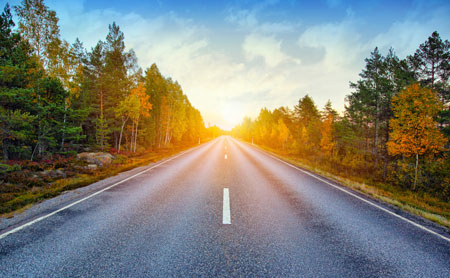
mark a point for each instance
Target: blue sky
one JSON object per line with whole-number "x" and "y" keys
{"x": 234, "y": 57}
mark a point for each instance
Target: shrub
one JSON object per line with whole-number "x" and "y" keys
{"x": 119, "y": 159}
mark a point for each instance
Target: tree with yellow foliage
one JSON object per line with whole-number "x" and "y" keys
{"x": 326, "y": 142}
{"x": 127, "y": 108}
{"x": 143, "y": 111}
{"x": 414, "y": 130}
{"x": 283, "y": 133}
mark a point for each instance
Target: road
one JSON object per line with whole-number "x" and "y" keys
{"x": 224, "y": 209}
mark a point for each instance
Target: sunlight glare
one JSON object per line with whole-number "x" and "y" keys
{"x": 232, "y": 114}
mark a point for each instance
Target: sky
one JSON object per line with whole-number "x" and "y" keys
{"x": 233, "y": 58}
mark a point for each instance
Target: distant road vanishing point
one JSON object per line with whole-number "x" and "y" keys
{"x": 222, "y": 209}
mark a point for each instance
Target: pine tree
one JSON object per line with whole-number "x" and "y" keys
{"x": 19, "y": 72}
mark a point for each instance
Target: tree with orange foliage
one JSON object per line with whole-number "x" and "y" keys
{"x": 414, "y": 130}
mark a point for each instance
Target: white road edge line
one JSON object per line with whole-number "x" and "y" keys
{"x": 226, "y": 217}
{"x": 88, "y": 197}
{"x": 362, "y": 199}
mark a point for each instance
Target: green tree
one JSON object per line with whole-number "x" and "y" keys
{"x": 39, "y": 26}
{"x": 18, "y": 72}
{"x": 308, "y": 118}
{"x": 431, "y": 63}
{"x": 156, "y": 87}
{"x": 115, "y": 81}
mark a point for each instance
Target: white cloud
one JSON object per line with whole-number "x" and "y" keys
{"x": 268, "y": 48}
{"x": 341, "y": 41}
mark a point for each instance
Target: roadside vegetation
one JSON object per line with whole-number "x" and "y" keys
{"x": 37, "y": 181}
{"x": 59, "y": 99}
{"x": 392, "y": 140}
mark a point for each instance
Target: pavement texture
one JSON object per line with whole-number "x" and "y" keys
{"x": 167, "y": 222}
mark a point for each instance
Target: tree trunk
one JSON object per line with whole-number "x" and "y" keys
{"x": 375, "y": 146}
{"x": 135, "y": 136}
{"x": 432, "y": 75}
{"x": 64, "y": 125}
{"x": 39, "y": 143}
{"x": 415, "y": 174}
{"x": 167, "y": 132}
{"x": 132, "y": 136}
{"x": 121, "y": 132}
{"x": 102, "y": 135}
{"x": 386, "y": 153}
{"x": 34, "y": 151}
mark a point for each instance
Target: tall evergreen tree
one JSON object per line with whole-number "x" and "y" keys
{"x": 115, "y": 81}
{"x": 17, "y": 109}
{"x": 431, "y": 63}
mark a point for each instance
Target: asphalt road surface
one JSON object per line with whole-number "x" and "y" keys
{"x": 223, "y": 209}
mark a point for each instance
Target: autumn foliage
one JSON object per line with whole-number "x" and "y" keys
{"x": 414, "y": 129}
{"x": 394, "y": 130}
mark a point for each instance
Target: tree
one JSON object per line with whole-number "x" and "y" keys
{"x": 94, "y": 91}
{"x": 115, "y": 81}
{"x": 369, "y": 106}
{"x": 431, "y": 61}
{"x": 328, "y": 110}
{"x": 367, "y": 101}
{"x": 144, "y": 107}
{"x": 127, "y": 108}
{"x": 431, "y": 64}
{"x": 283, "y": 133}
{"x": 18, "y": 73}
{"x": 39, "y": 25}
{"x": 308, "y": 119}
{"x": 414, "y": 130}
{"x": 155, "y": 86}
{"x": 326, "y": 142}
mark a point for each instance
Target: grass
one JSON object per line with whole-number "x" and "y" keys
{"x": 22, "y": 199}
{"x": 420, "y": 204}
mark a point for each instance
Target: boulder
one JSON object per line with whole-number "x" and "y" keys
{"x": 92, "y": 167}
{"x": 54, "y": 174}
{"x": 100, "y": 159}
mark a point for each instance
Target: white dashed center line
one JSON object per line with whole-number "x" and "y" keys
{"x": 226, "y": 218}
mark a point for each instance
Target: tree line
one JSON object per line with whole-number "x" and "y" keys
{"x": 394, "y": 130}
{"x": 58, "y": 97}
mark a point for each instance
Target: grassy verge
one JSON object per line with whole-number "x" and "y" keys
{"x": 22, "y": 197}
{"x": 421, "y": 204}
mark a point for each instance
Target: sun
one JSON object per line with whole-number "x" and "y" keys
{"x": 232, "y": 114}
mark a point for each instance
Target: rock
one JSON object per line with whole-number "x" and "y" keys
{"x": 54, "y": 174}
{"x": 92, "y": 166}
{"x": 100, "y": 159}
{"x": 60, "y": 173}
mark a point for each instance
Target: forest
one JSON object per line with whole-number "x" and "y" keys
{"x": 394, "y": 130}
{"x": 59, "y": 99}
